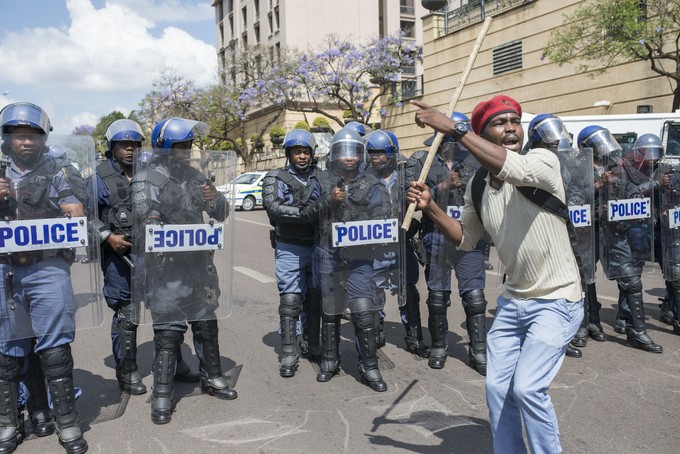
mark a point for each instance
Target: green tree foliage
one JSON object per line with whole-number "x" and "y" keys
{"x": 601, "y": 34}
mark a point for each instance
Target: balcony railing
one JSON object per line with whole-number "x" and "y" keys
{"x": 407, "y": 89}
{"x": 473, "y": 12}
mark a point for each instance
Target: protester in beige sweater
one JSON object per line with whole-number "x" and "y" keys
{"x": 541, "y": 305}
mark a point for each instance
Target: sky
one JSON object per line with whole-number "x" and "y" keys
{"x": 82, "y": 59}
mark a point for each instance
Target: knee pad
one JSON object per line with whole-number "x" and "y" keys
{"x": 56, "y": 362}
{"x": 168, "y": 340}
{"x": 125, "y": 316}
{"x": 363, "y": 320}
{"x": 474, "y": 302}
{"x": 290, "y": 304}
{"x": 438, "y": 302}
{"x": 630, "y": 284}
{"x": 361, "y": 305}
{"x": 10, "y": 366}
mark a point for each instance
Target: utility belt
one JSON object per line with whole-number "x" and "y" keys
{"x": 28, "y": 258}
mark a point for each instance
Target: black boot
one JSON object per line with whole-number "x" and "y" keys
{"x": 313, "y": 326}
{"x": 290, "y": 305}
{"x": 166, "y": 344}
{"x": 330, "y": 341}
{"x": 623, "y": 311}
{"x": 474, "y": 304}
{"x": 289, "y": 352}
{"x": 673, "y": 296}
{"x": 666, "y": 315}
{"x": 592, "y": 307}
{"x": 573, "y": 352}
{"x": 636, "y": 334}
{"x": 183, "y": 372}
{"x": 57, "y": 364}
{"x": 437, "y": 303}
{"x": 38, "y": 405}
{"x": 364, "y": 324}
{"x": 581, "y": 338}
{"x": 206, "y": 342}
{"x": 414, "y": 331}
{"x": 9, "y": 413}
{"x": 127, "y": 374}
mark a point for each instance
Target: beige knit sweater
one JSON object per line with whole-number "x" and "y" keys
{"x": 532, "y": 243}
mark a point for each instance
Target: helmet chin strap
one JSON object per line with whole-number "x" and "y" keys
{"x": 302, "y": 168}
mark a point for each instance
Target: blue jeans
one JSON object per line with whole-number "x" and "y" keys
{"x": 525, "y": 349}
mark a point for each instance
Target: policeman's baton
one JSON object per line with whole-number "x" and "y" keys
{"x": 127, "y": 260}
{"x": 452, "y": 106}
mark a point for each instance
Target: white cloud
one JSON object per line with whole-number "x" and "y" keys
{"x": 170, "y": 10}
{"x": 110, "y": 49}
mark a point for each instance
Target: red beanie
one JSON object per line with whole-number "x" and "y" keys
{"x": 488, "y": 109}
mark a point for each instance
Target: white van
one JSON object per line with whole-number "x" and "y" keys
{"x": 247, "y": 189}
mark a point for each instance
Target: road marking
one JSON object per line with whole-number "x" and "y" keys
{"x": 254, "y": 274}
{"x": 253, "y": 222}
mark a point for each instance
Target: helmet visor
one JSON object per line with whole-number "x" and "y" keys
{"x": 551, "y": 130}
{"x": 602, "y": 142}
{"x": 346, "y": 149}
{"x": 121, "y": 130}
{"x": 25, "y": 114}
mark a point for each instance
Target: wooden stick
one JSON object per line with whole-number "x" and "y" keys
{"x": 452, "y": 106}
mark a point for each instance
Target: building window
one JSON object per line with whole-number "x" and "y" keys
{"x": 244, "y": 14}
{"x": 257, "y": 34}
{"x": 507, "y": 57}
{"x": 408, "y": 28}
{"x": 407, "y": 8}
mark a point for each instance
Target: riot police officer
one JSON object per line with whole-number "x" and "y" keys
{"x": 285, "y": 192}
{"x": 123, "y": 138}
{"x": 619, "y": 180}
{"x": 448, "y": 177}
{"x": 185, "y": 287}
{"x": 382, "y": 148}
{"x": 667, "y": 248}
{"x": 346, "y": 273}
{"x": 36, "y": 290}
{"x": 547, "y": 131}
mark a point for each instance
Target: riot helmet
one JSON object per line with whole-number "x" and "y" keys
{"x": 357, "y": 127}
{"x": 299, "y": 138}
{"x": 648, "y": 147}
{"x": 26, "y": 115}
{"x": 123, "y": 130}
{"x": 176, "y": 130}
{"x": 458, "y": 117}
{"x": 599, "y": 139}
{"x": 548, "y": 130}
{"x": 382, "y": 141}
{"x": 346, "y": 143}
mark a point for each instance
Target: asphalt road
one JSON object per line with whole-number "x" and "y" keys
{"x": 614, "y": 399}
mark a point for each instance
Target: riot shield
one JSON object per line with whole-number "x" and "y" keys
{"x": 359, "y": 236}
{"x": 48, "y": 238}
{"x": 578, "y": 175}
{"x": 451, "y": 172}
{"x": 626, "y": 220}
{"x": 183, "y": 235}
{"x": 669, "y": 200}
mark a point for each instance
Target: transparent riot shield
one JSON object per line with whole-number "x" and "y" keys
{"x": 183, "y": 235}
{"x": 48, "y": 237}
{"x": 579, "y": 183}
{"x": 669, "y": 200}
{"x": 626, "y": 219}
{"x": 360, "y": 235}
{"x": 451, "y": 172}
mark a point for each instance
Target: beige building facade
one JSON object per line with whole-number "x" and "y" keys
{"x": 511, "y": 62}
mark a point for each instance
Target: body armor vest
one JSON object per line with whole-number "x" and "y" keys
{"x": 117, "y": 215}
{"x": 181, "y": 202}
{"x": 301, "y": 198}
{"x": 33, "y": 192}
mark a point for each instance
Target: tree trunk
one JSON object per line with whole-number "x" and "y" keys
{"x": 676, "y": 97}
